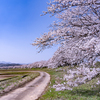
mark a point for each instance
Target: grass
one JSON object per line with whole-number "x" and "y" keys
{"x": 88, "y": 91}
{"x": 12, "y": 73}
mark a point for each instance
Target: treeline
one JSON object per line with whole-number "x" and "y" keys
{"x": 41, "y": 64}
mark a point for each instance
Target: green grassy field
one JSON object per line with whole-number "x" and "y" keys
{"x": 88, "y": 91}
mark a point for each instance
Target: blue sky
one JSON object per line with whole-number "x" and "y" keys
{"x": 20, "y": 25}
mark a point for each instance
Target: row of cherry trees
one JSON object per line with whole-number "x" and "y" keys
{"x": 77, "y": 31}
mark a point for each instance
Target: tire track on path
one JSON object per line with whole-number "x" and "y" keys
{"x": 32, "y": 90}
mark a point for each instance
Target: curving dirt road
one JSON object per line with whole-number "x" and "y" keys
{"x": 31, "y": 91}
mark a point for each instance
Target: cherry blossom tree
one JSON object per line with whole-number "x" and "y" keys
{"x": 83, "y": 53}
{"x": 77, "y": 31}
{"x": 76, "y": 77}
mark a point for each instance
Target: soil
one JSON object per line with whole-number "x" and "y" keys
{"x": 6, "y": 76}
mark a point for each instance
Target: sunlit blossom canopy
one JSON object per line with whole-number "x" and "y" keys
{"x": 77, "y": 30}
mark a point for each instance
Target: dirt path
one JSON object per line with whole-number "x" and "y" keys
{"x": 31, "y": 91}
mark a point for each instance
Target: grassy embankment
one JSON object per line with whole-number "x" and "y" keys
{"x": 88, "y": 91}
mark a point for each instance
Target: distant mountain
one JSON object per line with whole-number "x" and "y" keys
{"x": 3, "y": 63}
